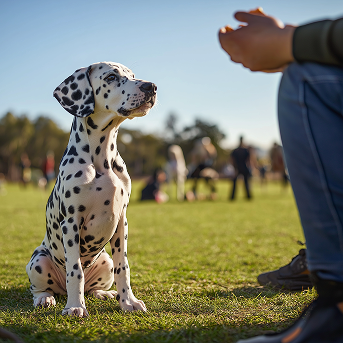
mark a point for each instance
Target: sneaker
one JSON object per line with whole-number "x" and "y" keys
{"x": 294, "y": 276}
{"x": 319, "y": 323}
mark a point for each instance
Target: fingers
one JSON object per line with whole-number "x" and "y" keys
{"x": 258, "y": 11}
{"x": 226, "y": 29}
{"x": 245, "y": 17}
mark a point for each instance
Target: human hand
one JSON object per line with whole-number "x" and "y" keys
{"x": 264, "y": 44}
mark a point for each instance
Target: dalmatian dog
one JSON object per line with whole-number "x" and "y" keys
{"x": 87, "y": 207}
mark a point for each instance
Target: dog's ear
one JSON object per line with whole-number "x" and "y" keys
{"x": 75, "y": 93}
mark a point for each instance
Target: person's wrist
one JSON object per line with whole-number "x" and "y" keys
{"x": 287, "y": 43}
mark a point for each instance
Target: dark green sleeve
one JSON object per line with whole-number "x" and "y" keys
{"x": 320, "y": 42}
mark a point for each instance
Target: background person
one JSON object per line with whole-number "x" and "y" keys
{"x": 176, "y": 171}
{"x": 25, "y": 165}
{"x": 311, "y": 125}
{"x": 203, "y": 157}
{"x": 49, "y": 167}
{"x": 152, "y": 190}
{"x": 241, "y": 161}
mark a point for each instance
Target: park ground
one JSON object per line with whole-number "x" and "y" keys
{"x": 194, "y": 264}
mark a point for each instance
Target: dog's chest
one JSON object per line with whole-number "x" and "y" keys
{"x": 92, "y": 205}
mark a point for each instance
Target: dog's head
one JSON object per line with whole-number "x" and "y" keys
{"x": 106, "y": 87}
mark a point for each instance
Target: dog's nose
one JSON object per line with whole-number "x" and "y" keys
{"x": 148, "y": 87}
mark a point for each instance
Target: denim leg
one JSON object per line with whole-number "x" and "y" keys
{"x": 310, "y": 110}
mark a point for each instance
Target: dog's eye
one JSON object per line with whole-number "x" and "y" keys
{"x": 111, "y": 77}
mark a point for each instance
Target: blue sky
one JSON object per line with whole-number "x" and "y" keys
{"x": 171, "y": 43}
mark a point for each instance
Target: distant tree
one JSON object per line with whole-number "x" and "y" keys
{"x": 142, "y": 153}
{"x": 15, "y": 133}
{"x": 47, "y": 137}
{"x": 19, "y": 135}
{"x": 172, "y": 133}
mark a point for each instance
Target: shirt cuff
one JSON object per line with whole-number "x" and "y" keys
{"x": 312, "y": 43}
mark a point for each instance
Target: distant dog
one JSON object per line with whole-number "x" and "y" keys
{"x": 87, "y": 207}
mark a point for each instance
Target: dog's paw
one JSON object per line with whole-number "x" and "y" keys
{"x": 132, "y": 304}
{"x": 44, "y": 300}
{"x": 103, "y": 295}
{"x": 75, "y": 311}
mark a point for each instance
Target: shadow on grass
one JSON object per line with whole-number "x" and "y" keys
{"x": 47, "y": 325}
{"x": 246, "y": 292}
{"x": 216, "y": 333}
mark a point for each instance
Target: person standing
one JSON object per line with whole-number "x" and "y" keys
{"x": 241, "y": 162}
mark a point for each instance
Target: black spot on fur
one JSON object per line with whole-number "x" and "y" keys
{"x": 91, "y": 123}
{"x": 81, "y": 77}
{"x": 117, "y": 167}
{"x": 89, "y": 238}
{"x": 85, "y": 148}
{"x": 82, "y": 208}
{"x": 71, "y": 78}
{"x": 77, "y": 95}
{"x": 63, "y": 209}
{"x": 38, "y": 269}
{"x": 72, "y": 151}
{"x": 76, "y": 190}
{"x": 99, "y": 241}
{"x": 79, "y": 173}
{"x": 67, "y": 101}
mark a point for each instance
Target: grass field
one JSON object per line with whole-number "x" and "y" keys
{"x": 193, "y": 264}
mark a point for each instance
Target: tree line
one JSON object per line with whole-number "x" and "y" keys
{"x": 142, "y": 152}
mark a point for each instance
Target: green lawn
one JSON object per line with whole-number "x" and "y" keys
{"x": 193, "y": 264}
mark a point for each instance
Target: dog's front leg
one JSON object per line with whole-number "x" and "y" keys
{"x": 74, "y": 273}
{"x": 125, "y": 297}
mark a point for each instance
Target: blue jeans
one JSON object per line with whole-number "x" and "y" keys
{"x": 310, "y": 110}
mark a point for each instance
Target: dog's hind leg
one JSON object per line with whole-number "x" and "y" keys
{"x": 99, "y": 277}
{"x": 45, "y": 278}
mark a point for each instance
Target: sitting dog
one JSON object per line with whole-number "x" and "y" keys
{"x": 87, "y": 207}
